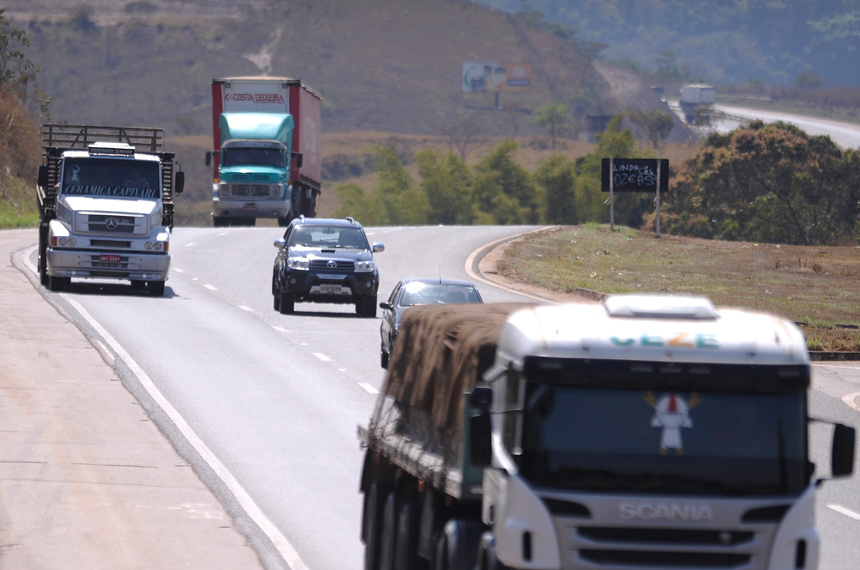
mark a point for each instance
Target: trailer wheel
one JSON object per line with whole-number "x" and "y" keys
{"x": 388, "y": 534}
{"x": 457, "y": 545}
{"x": 374, "y": 505}
{"x": 406, "y": 538}
{"x": 220, "y": 221}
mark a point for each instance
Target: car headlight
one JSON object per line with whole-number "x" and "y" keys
{"x": 364, "y": 266}
{"x": 298, "y": 263}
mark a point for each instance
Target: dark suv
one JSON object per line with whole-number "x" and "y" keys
{"x": 325, "y": 260}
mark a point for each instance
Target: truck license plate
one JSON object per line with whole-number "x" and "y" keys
{"x": 250, "y": 207}
{"x": 328, "y": 289}
{"x": 105, "y": 258}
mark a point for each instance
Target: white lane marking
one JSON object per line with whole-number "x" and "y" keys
{"x": 849, "y": 399}
{"x": 322, "y": 357}
{"x": 246, "y": 308}
{"x": 278, "y": 540}
{"x": 106, "y": 351}
{"x": 223, "y": 234}
{"x": 179, "y": 270}
{"x": 211, "y": 287}
{"x": 847, "y": 512}
{"x": 189, "y": 244}
{"x": 370, "y": 389}
{"x": 487, "y": 247}
{"x": 281, "y": 329}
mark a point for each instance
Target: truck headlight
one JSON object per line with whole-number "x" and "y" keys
{"x": 298, "y": 263}
{"x": 224, "y": 190}
{"x": 364, "y": 266}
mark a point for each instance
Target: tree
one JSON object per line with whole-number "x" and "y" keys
{"x": 557, "y": 178}
{"x": 768, "y": 182}
{"x": 397, "y": 197}
{"x": 503, "y": 191}
{"x": 447, "y": 184}
{"x": 655, "y": 124}
{"x": 460, "y": 129}
{"x": 16, "y": 72}
{"x": 551, "y": 117}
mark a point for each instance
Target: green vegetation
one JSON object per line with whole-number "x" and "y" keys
{"x": 768, "y": 182}
{"x": 817, "y": 287}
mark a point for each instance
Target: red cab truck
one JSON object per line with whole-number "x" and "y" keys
{"x": 266, "y": 158}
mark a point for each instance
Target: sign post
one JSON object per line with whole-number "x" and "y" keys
{"x": 634, "y": 175}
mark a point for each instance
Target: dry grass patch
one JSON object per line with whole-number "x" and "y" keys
{"x": 817, "y": 287}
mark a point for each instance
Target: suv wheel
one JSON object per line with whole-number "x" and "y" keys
{"x": 367, "y": 308}
{"x": 286, "y": 303}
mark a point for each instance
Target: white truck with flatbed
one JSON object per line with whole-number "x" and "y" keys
{"x": 644, "y": 432}
{"x": 105, "y": 198}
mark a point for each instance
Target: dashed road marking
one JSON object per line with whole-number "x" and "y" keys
{"x": 246, "y": 308}
{"x": 847, "y": 512}
{"x": 368, "y": 388}
{"x": 179, "y": 270}
{"x": 211, "y": 287}
{"x": 322, "y": 357}
{"x": 281, "y": 329}
{"x": 189, "y": 244}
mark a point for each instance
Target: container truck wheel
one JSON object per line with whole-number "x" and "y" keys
{"x": 374, "y": 506}
{"x": 220, "y": 221}
{"x": 406, "y": 538}
{"x": 156, "y": 288}
{"x": 388, "y": 532}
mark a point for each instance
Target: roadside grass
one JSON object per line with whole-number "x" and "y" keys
{"x": 816, "y": 287}
{"x": 17, "y": 204}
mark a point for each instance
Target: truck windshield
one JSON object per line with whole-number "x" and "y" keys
{"x": 114, "y": 178}
{"x": 249, "y": 156}
{"x": 625, "y": 440}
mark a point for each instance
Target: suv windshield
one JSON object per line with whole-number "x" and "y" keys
{"x": 116, "y": 178}
{"x": 344, "y": 237}
{"x": 711, "y": 442}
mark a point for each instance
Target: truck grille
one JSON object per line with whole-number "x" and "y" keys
{"x": 111, "y": 224}
{"x": 243, "y": 191}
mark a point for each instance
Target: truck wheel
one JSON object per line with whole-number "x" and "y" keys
{"x": 220, "y": 221}
{"x": 156, "y": 288}
{"x": 137, "y": 284}
{"x": 286, "y": 303}
{"x": 374, "y": 505}
{"x": 57, "y": 283}
{"x": 406, "y": 539}
{"x": 388, "y": 534}
{"x": 457, "y": 545}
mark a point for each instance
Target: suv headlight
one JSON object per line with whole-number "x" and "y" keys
{"x": 364, "y": 266}
{"x": 298, "y": 263}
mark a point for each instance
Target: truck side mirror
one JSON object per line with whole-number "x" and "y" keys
{"x": 208, "y": 158}
{"x": 842, "y": 455}
{"x": 43, "y": 176}
{"x": 480, "y": 427}
{"x": 179, "y": 186}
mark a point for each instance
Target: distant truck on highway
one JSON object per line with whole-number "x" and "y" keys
{"x": 645, "y": 431}
{"x": 266, "y": 159}
{"x": 692, "y": 97}
{"x": 105, "y": 199}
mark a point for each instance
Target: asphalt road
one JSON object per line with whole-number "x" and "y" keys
{"x": 265, "y": 406}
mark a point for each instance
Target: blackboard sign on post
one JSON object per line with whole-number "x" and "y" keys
{"x": 634, "y": 175}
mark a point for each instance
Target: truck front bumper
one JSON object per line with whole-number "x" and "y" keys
{"x": 135, "y": 265}
{"x": 250, "y": 208}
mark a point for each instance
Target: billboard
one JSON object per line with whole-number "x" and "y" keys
{"x": 489, "y": 76}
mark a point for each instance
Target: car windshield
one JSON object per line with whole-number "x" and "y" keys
{"x": 116, "y": 178}
{"x": 249, "y": 156}
{"x": 340, "y": 237}
{"x": 644, "y": 441}
{"x": 418, "y": 293}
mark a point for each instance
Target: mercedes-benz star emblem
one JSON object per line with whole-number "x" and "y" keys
{"x": 331, "y": 264}
{"x": 111, "y": 224}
